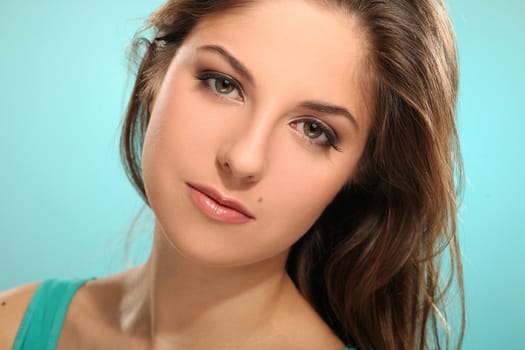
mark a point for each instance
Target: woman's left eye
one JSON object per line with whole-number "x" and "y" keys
{"x": 316, "y": 132}
{"x": 221, "y": 85}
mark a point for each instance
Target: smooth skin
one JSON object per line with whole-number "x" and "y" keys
{"x": 257, "y": 128}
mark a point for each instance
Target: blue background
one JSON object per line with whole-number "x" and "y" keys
{"x": 66, "y": 206}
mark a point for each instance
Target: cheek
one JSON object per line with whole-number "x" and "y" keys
{"x": 178, "y": 131}
{"x": 298, "y": 193}
{"x": 168, "y": 144}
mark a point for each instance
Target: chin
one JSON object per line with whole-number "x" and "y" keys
{"x": 218, "y": 249}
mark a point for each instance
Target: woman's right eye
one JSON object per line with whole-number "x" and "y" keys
{"x": 221, "y": 85}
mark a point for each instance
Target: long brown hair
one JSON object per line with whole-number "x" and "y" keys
{"x": 370, "y": 265}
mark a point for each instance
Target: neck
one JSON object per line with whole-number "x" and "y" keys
{"x": 179, "y": 301}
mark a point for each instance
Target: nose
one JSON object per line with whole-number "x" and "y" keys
{"x": 244, "y": 156}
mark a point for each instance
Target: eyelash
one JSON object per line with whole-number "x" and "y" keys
{"x": 204, "y": 78}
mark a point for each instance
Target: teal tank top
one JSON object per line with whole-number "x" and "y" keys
{"x": 44, "y": 317}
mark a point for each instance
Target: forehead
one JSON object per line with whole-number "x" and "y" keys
{"x": 293, "y": 45}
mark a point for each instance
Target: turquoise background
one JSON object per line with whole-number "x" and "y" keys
{"x": 66, "y": 205}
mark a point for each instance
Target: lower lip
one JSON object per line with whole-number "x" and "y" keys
{"x": 216, "y": 211}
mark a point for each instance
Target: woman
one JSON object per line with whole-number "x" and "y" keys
{"x": 299, "y": 158}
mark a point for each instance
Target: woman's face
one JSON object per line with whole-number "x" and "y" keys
{"x": 259, "y": 122}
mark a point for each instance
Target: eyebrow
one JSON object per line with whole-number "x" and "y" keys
{"x": 327, "y": 108}
{"x": 317, "y": 106}
{"x": 235, "y": 63}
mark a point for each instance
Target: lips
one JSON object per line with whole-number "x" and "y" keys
{"x": 218, "y": 207}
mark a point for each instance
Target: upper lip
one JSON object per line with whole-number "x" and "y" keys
{"x": 222, "y": 200}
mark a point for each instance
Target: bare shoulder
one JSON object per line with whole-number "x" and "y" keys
{"x": 13, "y": 304}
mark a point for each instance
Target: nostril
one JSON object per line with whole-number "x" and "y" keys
{"x": 224, "y": 164}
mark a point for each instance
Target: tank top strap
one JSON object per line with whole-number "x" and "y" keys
{"x": 45, "y": 314}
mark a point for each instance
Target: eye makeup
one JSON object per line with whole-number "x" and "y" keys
{"x": 221, "y": 85}
{"x": 316, "y": 132}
